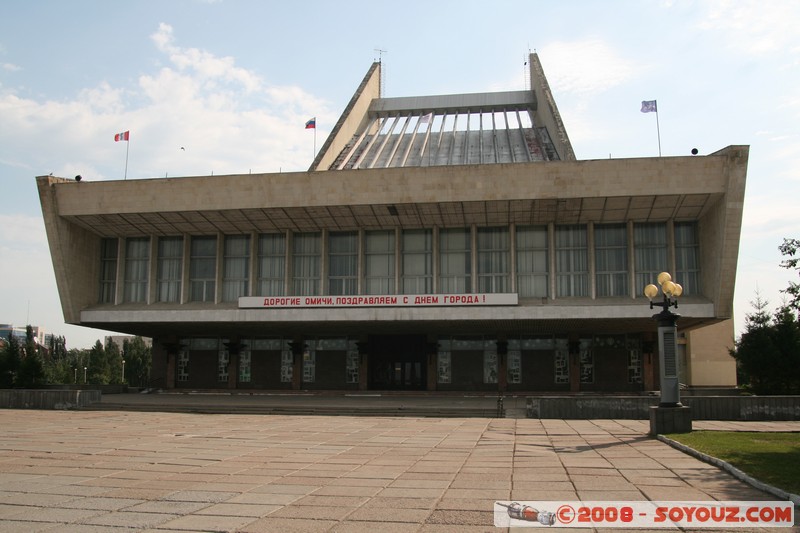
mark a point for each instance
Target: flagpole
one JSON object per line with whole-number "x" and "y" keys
{"x": 313, "y": 155}
{"x": 658, "y": 130}
{"x": 127, "y": 147}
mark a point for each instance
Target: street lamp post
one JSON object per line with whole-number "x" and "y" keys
{"x": 75, "y": 377}
{"x": 670, "y": 416}
{"x": 84, "y": 374}
{"x": 123, "y": 371}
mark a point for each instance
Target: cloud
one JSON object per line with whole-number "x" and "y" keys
{"x": 229, "y": 119}
{"x": 584, "y": 67}
{"x": 10, "y": 67}
{"x": 209, "y": 68}
{"x": 755, "y": 27}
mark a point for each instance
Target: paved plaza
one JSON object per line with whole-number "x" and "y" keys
{"x": 119, "y": 471}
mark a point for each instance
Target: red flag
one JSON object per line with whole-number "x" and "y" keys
{"x": 124, "y": 136}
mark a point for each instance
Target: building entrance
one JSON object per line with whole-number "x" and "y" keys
{"x": 397, "y": 362}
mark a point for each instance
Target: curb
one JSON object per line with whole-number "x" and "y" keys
{"x": 735, "y": 472}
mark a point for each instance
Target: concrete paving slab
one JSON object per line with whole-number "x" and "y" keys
{"x": 153, "y": 471}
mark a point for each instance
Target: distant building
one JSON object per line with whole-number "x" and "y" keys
{"x": 40, "y": 338}
{"x": 120, "y": 339}
{"x": 440, "y": 243}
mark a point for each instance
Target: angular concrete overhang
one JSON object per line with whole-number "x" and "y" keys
{"x": 585, "y": 318}
{"x": 707, "y": 189}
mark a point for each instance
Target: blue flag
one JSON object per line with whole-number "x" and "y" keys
{"x": 649, "y": 106}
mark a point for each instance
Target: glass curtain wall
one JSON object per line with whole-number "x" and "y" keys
{"x": 611, "y": 259}
{"x": 493, "y": 260}
{"x": 379, "y": 262}
{"x": 271, "y": 264}
{"x": 203, "y": 269}
{"x": 137, "y": 269}
{"x": 306, "y": 264}
{"x": 687, "y": 257}
{"x": 235, "y": 267}
{"x": 650, "y": 252}
{"x": 455, "y": 261}
{"x": 108, "y": 270}
{"x": 343, "y": 263}
{"x": 572, "y": 266}
{"x": 417, "y": 262}
{"x": 170, "y": 269}
{"x": 532, "y": 262}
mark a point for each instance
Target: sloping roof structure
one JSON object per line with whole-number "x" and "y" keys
{"x": 446, "y": 130}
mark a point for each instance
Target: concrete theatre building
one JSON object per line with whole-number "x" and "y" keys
{"x": 439, "y": 243}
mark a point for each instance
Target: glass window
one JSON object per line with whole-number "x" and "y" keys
{"x": 417, "y": 261}
{"x": 183, "y": 365}
{"x": 490, "y": 368}
{"x": 455, "y": 261}
{"x": 108, "y": 270}
{"x": 137, "y": 269}
{"x": 343, "y": 263}
{"x": 306, "y": 264}
{"x": 203, "y": 269}
{"x": 223, "y": 362}
{"x": 561, "y": 361}
{"x": 443, "y": 361}
{"x": 352, "y": 362}
{"x": 493, "y": 265}
{"x": 532, "y": 262}
{"x": 310, "y": 362}
{"x": 687, "y": 262}
{"x": 650, "y": 252}
{"x": 572, "y": 267}
{"x": 514, "y": 362}
{"x": 379, "y": 262}
{"x": 244, "y": 366}
{"x": 170, "y": 269}
{"x": 611, "y": 259}
{"x": 271, "y": 264}
{"x": 235, "y": 267}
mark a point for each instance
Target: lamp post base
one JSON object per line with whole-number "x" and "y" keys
{"x": 670, "y": 419}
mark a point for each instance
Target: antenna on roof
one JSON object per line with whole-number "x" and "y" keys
{"x": 383, "y": 72}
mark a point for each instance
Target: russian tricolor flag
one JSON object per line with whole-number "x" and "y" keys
{"x": 311, "y": 124}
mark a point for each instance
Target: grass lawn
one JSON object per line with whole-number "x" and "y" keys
{"x": 773, "y": 458}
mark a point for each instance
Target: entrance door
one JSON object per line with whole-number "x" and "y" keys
{"x": 397, "y": 362}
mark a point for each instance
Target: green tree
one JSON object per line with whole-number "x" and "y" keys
{"x": 768, "y": 352}
{"x": 31, "y": 373}
{"x": 98, "y": 365}
{"x": 138, "y": 361}
{"x": 791, "y": 249}
{"x": 114, "y": 361}
{"x": 9, "y": 362}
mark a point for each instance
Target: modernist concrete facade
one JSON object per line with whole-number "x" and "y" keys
{"x": 436, "y": 243}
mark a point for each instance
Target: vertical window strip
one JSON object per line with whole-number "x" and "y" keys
{"x": 455, "y": 261}
{"x": 417, "y": 262}
{"x": 532, "y": 262}
{"x": 169, "y": 271}
{"x": 108, "y": 270}
{"x": 137, "y": 269}
{"x": 687, "y": 257}
{"x": 493, "y": 260}
{"x": 611, "y": 259}
{"x": 379, "y": 261}
{"x": 271, "y": 264}
{"x": 203, "y": 269}
{"x": 235, "y": 267}
{"x": 343, "y": 263}
{"x": 572, "y": 265}
{"x": 306, "y": 264}
{"x": 650, "y": 251}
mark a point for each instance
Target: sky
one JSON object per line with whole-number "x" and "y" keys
{"x": 233, "y": 82}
